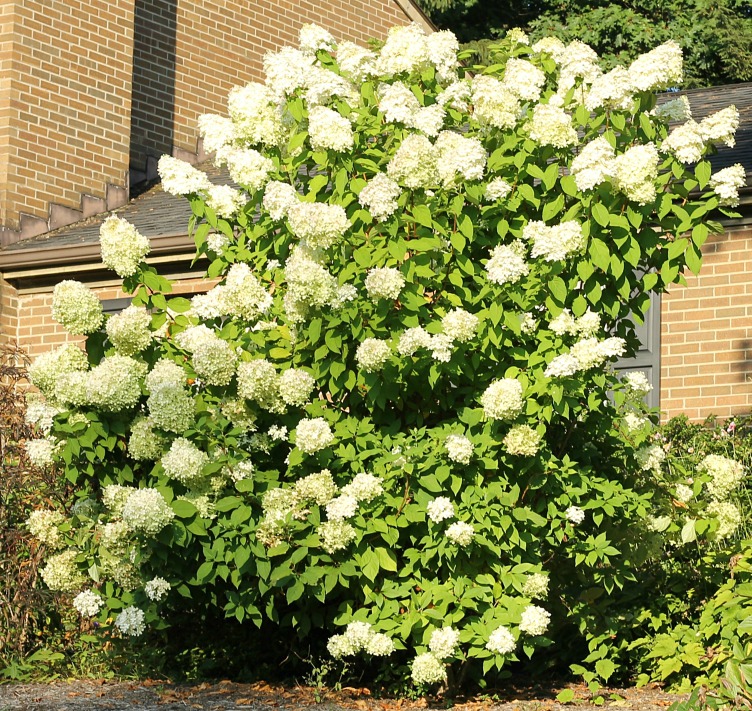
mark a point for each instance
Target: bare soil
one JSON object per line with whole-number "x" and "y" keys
{"x": 86, "y": 695}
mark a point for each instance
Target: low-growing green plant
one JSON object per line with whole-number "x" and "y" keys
{"x": 392, "y": 427}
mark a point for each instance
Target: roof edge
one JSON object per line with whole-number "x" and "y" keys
{"x": 413, "y": 11}
{"x": 85, "y": 252}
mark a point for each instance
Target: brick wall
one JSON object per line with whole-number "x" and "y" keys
{"x": 65, "y": 100}
{"x": 190, "y": 53}
{"x": 37, "y": 332}
{"x": 706, "y": 333}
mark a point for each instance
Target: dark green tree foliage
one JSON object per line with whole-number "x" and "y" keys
{"x": 716, "y": 35}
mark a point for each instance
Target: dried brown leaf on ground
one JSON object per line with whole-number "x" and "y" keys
{"x": 153, "y": 695}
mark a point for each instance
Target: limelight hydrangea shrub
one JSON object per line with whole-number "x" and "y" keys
{"x": 394, "y": 419}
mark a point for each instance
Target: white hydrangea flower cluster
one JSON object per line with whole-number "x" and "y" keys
{"x": 613, "y": 89}
{"x": 456, "y": 95}
{"x": 507, "y": 264}
{"x": 536, "y": 586}
{"x": 459, "y": 157}
{"x": 319, "y": 225}
{"x": 217, "y": 131}
{"x": 523, "y": 79}
{"x": 384, "y": 283}
{"x": 444, "y": 641}
{"x": 590, "y": 352}
{"x": 43, "y": 525}
{"x": 535, "y": 620}
{"x": 729, "y": 518}
{"x": 146, "y": 511}
{"x": 131, "y": 621}
{"x": 248, "y": 168}
{"x": 40, "y": 414}
{"x": 459, "y": 448}
{"x": 522, "y": 440}
{"x": 256, "y": 115}
{"x": 359, "y": 637}
{"x": 725, "y": 475}
{"x": 726, "y": 183}
{"x": 594, "y": 164}
{"x": 157, "y": 588}
{"x": 295, "y": 387}
{"x": 41, "y": 452}
{"x": 428, "y": 669}
{"x": 379, "y": 196}
{"x": 721, "y": 126}
{"x": 637, "y": 383}
{"x": 497, "y": 189}
{"x": 685, "y": 143}
{"x": 635, "y": 171}
{"x": 576, "y": 60}
{"x": 494, "y": 104}
{"x": 312, "y": 38}
{"x": 585, "y": 354}
{"x": 501, "y": 641}
{"x": 184, "y": 461}
{"x": 440, "y": 509}
{"x": 441, "y": 347}
{"x": 634, "y": 422}
{"x": 123, "y": 246}
{"x": 129, "y": 330}
{"x": 329, "y": 130}
{"x": 364, "y": 487}
{"x": 660, "y": 68}
{"x": 372, "y": 354}
{"x": 189, "y": 340}
{"x": 460, "y": 533}
{"x": 181, "y": 178}
{"x": 554, "y": 242}
{"x": 415, "y": 163}
{"x": 405, "y": 50}
{"x": 279, "y": 198}
{"x": 552, "y": 126}
{"x": 114, "y": 384}
{"x": 318, "y": 488}
{"x": 336, "y": 535}
{"x": 400, "y": 105}
{"x": 88, "y": 603}
{"x": 355, "y": 61}
{"x": 309, "y": 284}
{"x": 214, "y": 361}
{"x": 241, "y": 470}
{"x": 144, "y": 444}
{"x": 674, "y": 110}
{"x": 684, "y": 493}
{"x": 341, "y": 508}
{"x": 413, "y": 339}
{"x": 61, "y": 572}
{"x": 566, "y": 324}
{"x": 171, "y": 406}
{"x": 502, "y": 399}
{"x": 286, "y": 70}
{"x": 313, "y": 435}
{"x": 76, "y": 308}
{"x": 651, "y": 457}
{"x": 575, "y": 515}
{"x": 225, "y": 200}
{"x": 241, "y": 295}
{"x": 459, "y": 325}
{"x": 114, "y": 497}
{"x": 259, "y": 381}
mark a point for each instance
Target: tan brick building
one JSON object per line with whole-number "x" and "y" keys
{"x": 71, "y": 142}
